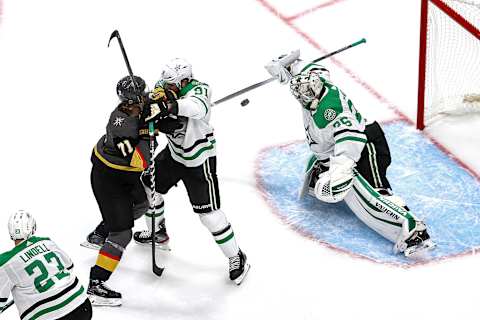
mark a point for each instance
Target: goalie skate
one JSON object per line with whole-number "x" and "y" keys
{"x": 418, "y": 244}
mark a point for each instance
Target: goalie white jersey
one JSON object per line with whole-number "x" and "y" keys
{"x": 37, "y": 273}
{"x": 333, "y": 127}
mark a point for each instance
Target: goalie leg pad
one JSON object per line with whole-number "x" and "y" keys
{"x": 389, "y": 219}
{"x": 216, "y": 222}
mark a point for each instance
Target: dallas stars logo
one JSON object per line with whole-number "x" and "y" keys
{"x": 118, "y": 121}
{"x": 330, "y": 114}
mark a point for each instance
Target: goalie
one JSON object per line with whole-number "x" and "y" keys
{"x": 350, "y": 156}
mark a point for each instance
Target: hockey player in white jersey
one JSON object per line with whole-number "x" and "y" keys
{"x": 39, "y": 276}
{"x": 350, "y": 155}
{"x": 191, "y": 157}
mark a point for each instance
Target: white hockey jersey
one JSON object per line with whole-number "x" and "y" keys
{"x": 38, "y": 274}
{"x": 335, "y": 127}
{"x": 194, "y": 142}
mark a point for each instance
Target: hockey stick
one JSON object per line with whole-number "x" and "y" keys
{"x": 264, "y": 82}
{"x": 151, "y": 133}
{"x": 151, "y": 168}
{"x": 5, "y": 307}
{"x": 116, "y": 34}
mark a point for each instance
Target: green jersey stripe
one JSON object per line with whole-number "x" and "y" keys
{"x": 58, "y": 306}
{"x": 198, "y": 153}
{"x": 350, "y": 138}
{"x": 195, "y": 144}
{"x": 51, "y": 298}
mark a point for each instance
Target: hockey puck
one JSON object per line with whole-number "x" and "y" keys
{"x": 244, "y": 102}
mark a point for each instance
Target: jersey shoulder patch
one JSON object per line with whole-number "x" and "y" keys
{"x": 328, "y": 108}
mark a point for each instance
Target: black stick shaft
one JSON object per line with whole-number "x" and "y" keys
{"x": 116, "y": 34}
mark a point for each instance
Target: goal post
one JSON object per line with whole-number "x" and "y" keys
{"x": 449, "y": 59}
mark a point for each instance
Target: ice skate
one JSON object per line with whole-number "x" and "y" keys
{"x": 238, "y": 267}
{"x": 94, "y": 241}
{"x": 100, "y": 295}
{"x": 144, "y": 238}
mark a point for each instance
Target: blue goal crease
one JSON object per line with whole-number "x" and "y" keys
{"x": 435, "y": 188}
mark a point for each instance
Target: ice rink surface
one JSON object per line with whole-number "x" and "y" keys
{"x": 57, "y": 80}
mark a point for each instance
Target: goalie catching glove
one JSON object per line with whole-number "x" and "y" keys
{"x": 333, "y": 185}
{"x": 161, "y": 104}
{"x": 280, "y": 68}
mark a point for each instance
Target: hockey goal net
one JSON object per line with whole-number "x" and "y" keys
{"x": 449, "y": 64}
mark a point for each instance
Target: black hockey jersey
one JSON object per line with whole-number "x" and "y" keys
{"x": 121, "y": 126}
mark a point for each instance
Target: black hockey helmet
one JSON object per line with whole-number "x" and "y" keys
{"x": 128, "y": 92}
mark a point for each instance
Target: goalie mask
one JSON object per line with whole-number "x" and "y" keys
{"x": 21, "y": 225}
{"x": 306, "y": 87}
{"x": 175, "y": 71}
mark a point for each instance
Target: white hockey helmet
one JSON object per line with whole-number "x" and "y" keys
{"x": 306, "y": 86}
{"x": 175, "y": 71}
{"x": 21, "y": 225}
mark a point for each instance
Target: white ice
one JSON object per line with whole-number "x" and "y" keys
{"x": 57, "y": 80}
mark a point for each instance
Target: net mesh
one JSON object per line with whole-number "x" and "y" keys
{"x": 452, "y": 84}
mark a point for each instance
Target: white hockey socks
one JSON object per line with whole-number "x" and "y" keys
{"x": 158, "y": 212}
{"x": 216, "y": 222}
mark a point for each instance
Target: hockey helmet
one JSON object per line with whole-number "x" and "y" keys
{"x": 129, "y": 92}
{"x": 21, "y": 225}
{"x": 175, "y": 71}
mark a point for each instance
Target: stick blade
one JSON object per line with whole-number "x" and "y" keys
{"x": 157, "y": 270}
{"x": 115, "y": 34}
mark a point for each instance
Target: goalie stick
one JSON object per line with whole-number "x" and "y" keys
{"x": 151, "y": 167}
{"x": 5, "y": 307}
{"x": 264, "y": 82}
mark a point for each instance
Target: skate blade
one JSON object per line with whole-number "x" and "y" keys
{"x": 104, "y": 302}
{"x": 161, "y": 246}
{"x": 240, "y": 279}
{"x": 420, "y": 249}
{"x": 89, "y": 245}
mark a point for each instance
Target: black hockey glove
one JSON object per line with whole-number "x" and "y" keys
{"x": 126, "y": 146}
{"x": 160, "y": 105}
{"x": 168, "y": 125}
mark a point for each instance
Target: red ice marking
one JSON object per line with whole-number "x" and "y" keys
{"x": 289, "y": 21}
{"x": 308, "y": 11}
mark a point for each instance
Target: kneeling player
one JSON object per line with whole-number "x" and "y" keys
{"x": 350, "y": 155}
{"x": 39, "y": 275}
